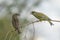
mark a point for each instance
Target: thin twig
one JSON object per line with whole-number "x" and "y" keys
{"x": 16, "y": 36}
{"x": 10, "y": 37}
{"x": 45, "y": 20}
{"x": 33, "y": 32}
{"x": 7, "y": 34}
{"x": 31, "y": 23}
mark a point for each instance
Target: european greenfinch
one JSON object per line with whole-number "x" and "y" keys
{"x": 41, "y": 17}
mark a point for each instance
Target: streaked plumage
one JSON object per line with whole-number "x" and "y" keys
{"x": 15, "y": 22}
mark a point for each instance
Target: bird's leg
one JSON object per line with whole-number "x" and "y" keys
{"x": 50, "y": 23}
{"x": 35, "y": 21}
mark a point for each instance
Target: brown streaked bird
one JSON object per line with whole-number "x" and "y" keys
{"x": 15, "y": 22}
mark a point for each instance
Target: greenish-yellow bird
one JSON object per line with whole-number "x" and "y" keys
{"x": 41, "y": 17}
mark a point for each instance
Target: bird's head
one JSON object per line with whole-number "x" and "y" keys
{"x": 16, "y": 14}
{"x": 33, "y": 12}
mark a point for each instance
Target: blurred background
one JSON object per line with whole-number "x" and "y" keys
{"x": 41, "y": 31}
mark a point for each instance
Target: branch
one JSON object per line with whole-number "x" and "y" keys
{"x": 32, "y": 22}
{"x": 39, "y": 21}
{"x": 33, "y": 32}
{"x": 7, "y": 34}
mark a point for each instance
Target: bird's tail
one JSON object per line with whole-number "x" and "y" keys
{"x": 50, "y": 23}
{"x": 55, "y": 20}
{"x": 18, "y": 31}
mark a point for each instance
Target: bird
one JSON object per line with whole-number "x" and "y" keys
{"x": 41, "y": 17}
{"x": 15, "y": 22}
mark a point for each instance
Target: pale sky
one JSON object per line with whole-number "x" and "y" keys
{"x": 51, "y": 9}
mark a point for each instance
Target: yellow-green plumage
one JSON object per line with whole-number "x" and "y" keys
{"x": 41, "y": 17}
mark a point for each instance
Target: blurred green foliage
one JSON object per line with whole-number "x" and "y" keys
{"x": 5, "y": 23}
{"x": 5, "y": 27}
